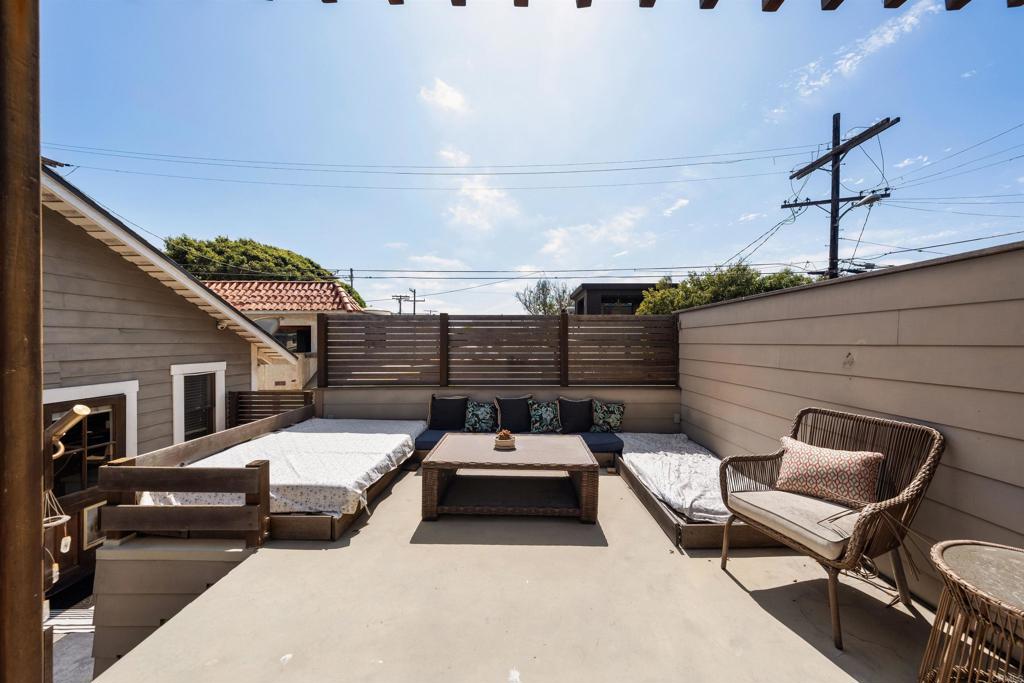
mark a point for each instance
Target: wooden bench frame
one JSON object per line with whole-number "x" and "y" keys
{"x": 165, "y": 470}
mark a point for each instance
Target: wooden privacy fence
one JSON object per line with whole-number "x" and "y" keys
{"x": 465, "y": 350}
{"x": 248, "y": 406}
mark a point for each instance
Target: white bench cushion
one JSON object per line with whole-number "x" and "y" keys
{"x": 820, "y": 525}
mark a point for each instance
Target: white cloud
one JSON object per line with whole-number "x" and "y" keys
{"x": 480, "y": 208}
{"x": 1021, "y": 179}
{"x": 679, "y": 204}
{"x": 968, "y": 74}
{"x": 851, "y": 181}
{"x": 433, "y": 261}
{"x": 920, "y": 158}
{"x": 620, "y": 230}
{"x": 445, "y": 97}
{"x": 749, "y": 217}
{"x": 816, "y": 75}
{"x": 453, "y": 155}
{"x": 619, "y": 254}
{"x": 396, "y": 245}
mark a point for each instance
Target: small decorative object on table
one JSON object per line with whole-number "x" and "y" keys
{"x": 505, "y": 441}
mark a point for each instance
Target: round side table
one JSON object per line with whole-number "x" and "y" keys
{"x": 978, "y": 634}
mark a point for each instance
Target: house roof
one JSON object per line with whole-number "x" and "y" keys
{"x": 279, "y": 295}
{"x": 66, "y": 199}
{"x": 606, "y": 286}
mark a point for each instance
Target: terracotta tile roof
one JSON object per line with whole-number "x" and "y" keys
{"x": 280, "y": 295}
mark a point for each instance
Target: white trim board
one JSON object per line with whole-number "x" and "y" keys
{"x": 178, "y": 373}
{"x": 129, "y": 388}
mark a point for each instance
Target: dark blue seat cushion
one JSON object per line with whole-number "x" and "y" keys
{"x": 602, "y": 442}
{"x": 429, "y": 439}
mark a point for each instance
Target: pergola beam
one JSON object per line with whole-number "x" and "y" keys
{"x": 892, "y": 4}
{"x": 708, "y": 4}
{"x": 956, "y": 4}
{"x": 829, "y": 5}
{"x": 770, "y": 5}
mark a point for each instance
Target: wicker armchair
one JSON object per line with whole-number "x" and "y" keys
{"x": 912, "y": 454}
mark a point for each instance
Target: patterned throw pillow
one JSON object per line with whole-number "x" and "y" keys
{"x": 848, "y": 477}
{"x": 544, "y": 416}
{"x": 608, "y": 416}
{"x": 481, "y": 417}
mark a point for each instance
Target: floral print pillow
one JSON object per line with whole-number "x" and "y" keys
{"x": 544, "y": 416}
{"x": 481, "y": 417}
{"x": 608, "y": 416}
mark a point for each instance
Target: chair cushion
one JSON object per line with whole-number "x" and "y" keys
{"x": 820, "y": 525}
{"x": 429, "y": 439}
{"x": 602, "y": 442}
{"x": 514, "y": 413}
{"x": 447, "y": 412}
{"x": 543, "y": 416}
{"x": 848, "y": 477}
{"x": 481, "y": 417}
{"x": 608, "y": 416}
{"x": 575, "y": 416}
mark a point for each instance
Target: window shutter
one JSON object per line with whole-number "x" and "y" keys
{"x": 199, "y": 405}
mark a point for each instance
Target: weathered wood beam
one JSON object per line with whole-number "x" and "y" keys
{"x": 892, "y": 4}
{"x": 708, "y": 4}
{"x": 521, "y": 3}
{"x": 580, "y": 4}
{"x": 1015, "y": 3}
{"x": 21, "y": 342}
{"x": 829, "y": 5}
{"x": 647, "y": 3}
{"x": 458, "y": 3}
{"x": 956, "y": 4}
{"x": 770, "y": 5}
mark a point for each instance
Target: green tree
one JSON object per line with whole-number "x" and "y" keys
{"x": 717, "y": 285}
{"x": 223, "y": 258}
{"x": 545, "y": 298}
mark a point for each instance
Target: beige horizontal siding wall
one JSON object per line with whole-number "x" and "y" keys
{"x": 941, "y": 345}
{"x": 105, "y": 320}
{"x": 648, "y": 409}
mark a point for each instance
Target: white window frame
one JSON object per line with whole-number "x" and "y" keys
{"x": 129, "y": 388}
{"x": 178, "y": 373}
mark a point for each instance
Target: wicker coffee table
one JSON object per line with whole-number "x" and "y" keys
{"x": 445, "y": 492}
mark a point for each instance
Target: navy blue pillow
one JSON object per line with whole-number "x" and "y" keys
{"x": 576, "y": 415}
{"x": 514, "y": 413}
{"x": 447, "y": 412}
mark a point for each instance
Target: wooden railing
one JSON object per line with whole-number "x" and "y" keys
{"x": 165, "y": 470}
{"x": 249, "y": 406}
{"x": 443, "y": 350}
{"x": 251, "y": 520}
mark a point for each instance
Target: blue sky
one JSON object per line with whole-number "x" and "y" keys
{"x": 490, "y": 85}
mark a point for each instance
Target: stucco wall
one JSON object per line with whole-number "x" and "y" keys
{"x": 942, "y": 345}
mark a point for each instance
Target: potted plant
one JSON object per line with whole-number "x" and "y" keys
{"x": 505, "y": 441}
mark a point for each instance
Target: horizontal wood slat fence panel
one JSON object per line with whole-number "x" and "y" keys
{"x": 248, "y": 406}
{"x": 505, "y": 350}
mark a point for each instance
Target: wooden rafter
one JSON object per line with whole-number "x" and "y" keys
{"x": 766, "y": 5}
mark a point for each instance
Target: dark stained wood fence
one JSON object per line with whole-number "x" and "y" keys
{"x": 248, "y": 406}
{"x": 474, "y": 350}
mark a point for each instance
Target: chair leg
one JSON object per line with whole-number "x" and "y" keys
{"x": 833, "y": 605}
{"x": 725, "y": 540}
{"x": 901, "y": 578}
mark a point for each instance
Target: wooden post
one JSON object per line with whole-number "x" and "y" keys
{"x": 442, "y": 349}
{"x": 21, "y": 398}
{"x": 262, "y": 500}
{"x": 321, "y": 350}
{"x": 232, "y": 409}
{"x": 563, "y": 349}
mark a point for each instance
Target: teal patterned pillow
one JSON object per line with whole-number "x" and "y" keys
{"x": 481, "y": 417}
{"x": 544, "y": 416}
{"x": 608, "y": 416}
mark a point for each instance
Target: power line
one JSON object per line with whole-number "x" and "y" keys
{"x": 116, "y": 152}
{"x": 947, "y": 211}
{"x": 959, "y": 152}
{"x": 460, "y": 188}
{"x": 947, "y": 172}
{"x": 456, "y": 173}
{"x": 944, "y": 244}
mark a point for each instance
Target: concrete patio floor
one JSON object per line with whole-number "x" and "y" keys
{"x": 527, "y": 600}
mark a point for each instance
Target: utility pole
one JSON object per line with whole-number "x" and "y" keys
{"x": 414, "y": 300}
{"x": 400, "y": 298}
{"x": 351, "y": 279}
{"x": 835, "y": 157}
